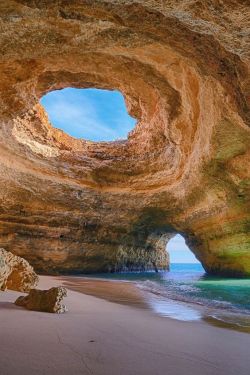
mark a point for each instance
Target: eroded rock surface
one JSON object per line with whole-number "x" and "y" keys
{"x": 16, "y": 273}
{"x": 183, "y": 68}
{"x": 44, "y": 300}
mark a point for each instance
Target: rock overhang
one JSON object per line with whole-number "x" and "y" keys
{"x": 181, "y": 167}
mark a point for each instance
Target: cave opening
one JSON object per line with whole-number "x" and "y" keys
{"x": 91, "y": 114}
{"x": 179, "y": 253}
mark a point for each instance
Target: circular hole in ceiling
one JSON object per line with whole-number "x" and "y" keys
{"x": 91, "y": 114}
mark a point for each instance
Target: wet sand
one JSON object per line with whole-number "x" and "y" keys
{"x": 101, "y": 337}
{"x": 124, "y": 293}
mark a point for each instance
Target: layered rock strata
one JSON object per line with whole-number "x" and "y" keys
{"x": 16, "y": 273}
{"x": 44, "y": 300}
{"x": 183, "y": 68}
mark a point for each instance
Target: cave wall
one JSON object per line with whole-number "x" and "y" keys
{"x": 183, "y": 67}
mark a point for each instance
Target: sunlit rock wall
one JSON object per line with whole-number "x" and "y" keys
{"x": 69, "y": 205}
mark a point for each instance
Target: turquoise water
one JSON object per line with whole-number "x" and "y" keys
{"x": 186, "y": 290}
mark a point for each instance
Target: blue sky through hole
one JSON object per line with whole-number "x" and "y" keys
{"x": 179, "y": 251}
{"x": 92, "y": 114}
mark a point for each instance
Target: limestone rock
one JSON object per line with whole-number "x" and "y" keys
{"x": 44, "y": 300}
{"x": 16, "y": 273}
{"x": 151, "y": 256}
{"x": 71, "y": 205}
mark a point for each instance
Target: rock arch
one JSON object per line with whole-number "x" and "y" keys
{"x": 182, "y": 67}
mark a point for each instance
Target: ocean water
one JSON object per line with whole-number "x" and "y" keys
{"x": 186, "y": 292}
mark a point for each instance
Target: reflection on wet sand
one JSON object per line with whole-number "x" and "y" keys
{"x": 124, "y": 293}
{"x": 127, "y": 293}
{"x": 224, "y": 322}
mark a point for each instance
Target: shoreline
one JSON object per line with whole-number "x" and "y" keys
{"x": 129, "y": 293}
{"x": 98, "y": 337}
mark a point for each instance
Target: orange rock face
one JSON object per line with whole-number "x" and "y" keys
{"x": 183, "y": 68}
{"x": 16, "y": 273}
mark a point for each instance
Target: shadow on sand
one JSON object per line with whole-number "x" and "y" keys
{"x": 9, "y": 306}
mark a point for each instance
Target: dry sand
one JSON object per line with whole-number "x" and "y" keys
{"x": 101, "y": 337}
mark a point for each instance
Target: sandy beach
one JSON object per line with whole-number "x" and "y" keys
{"x": 100, "y": 337}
